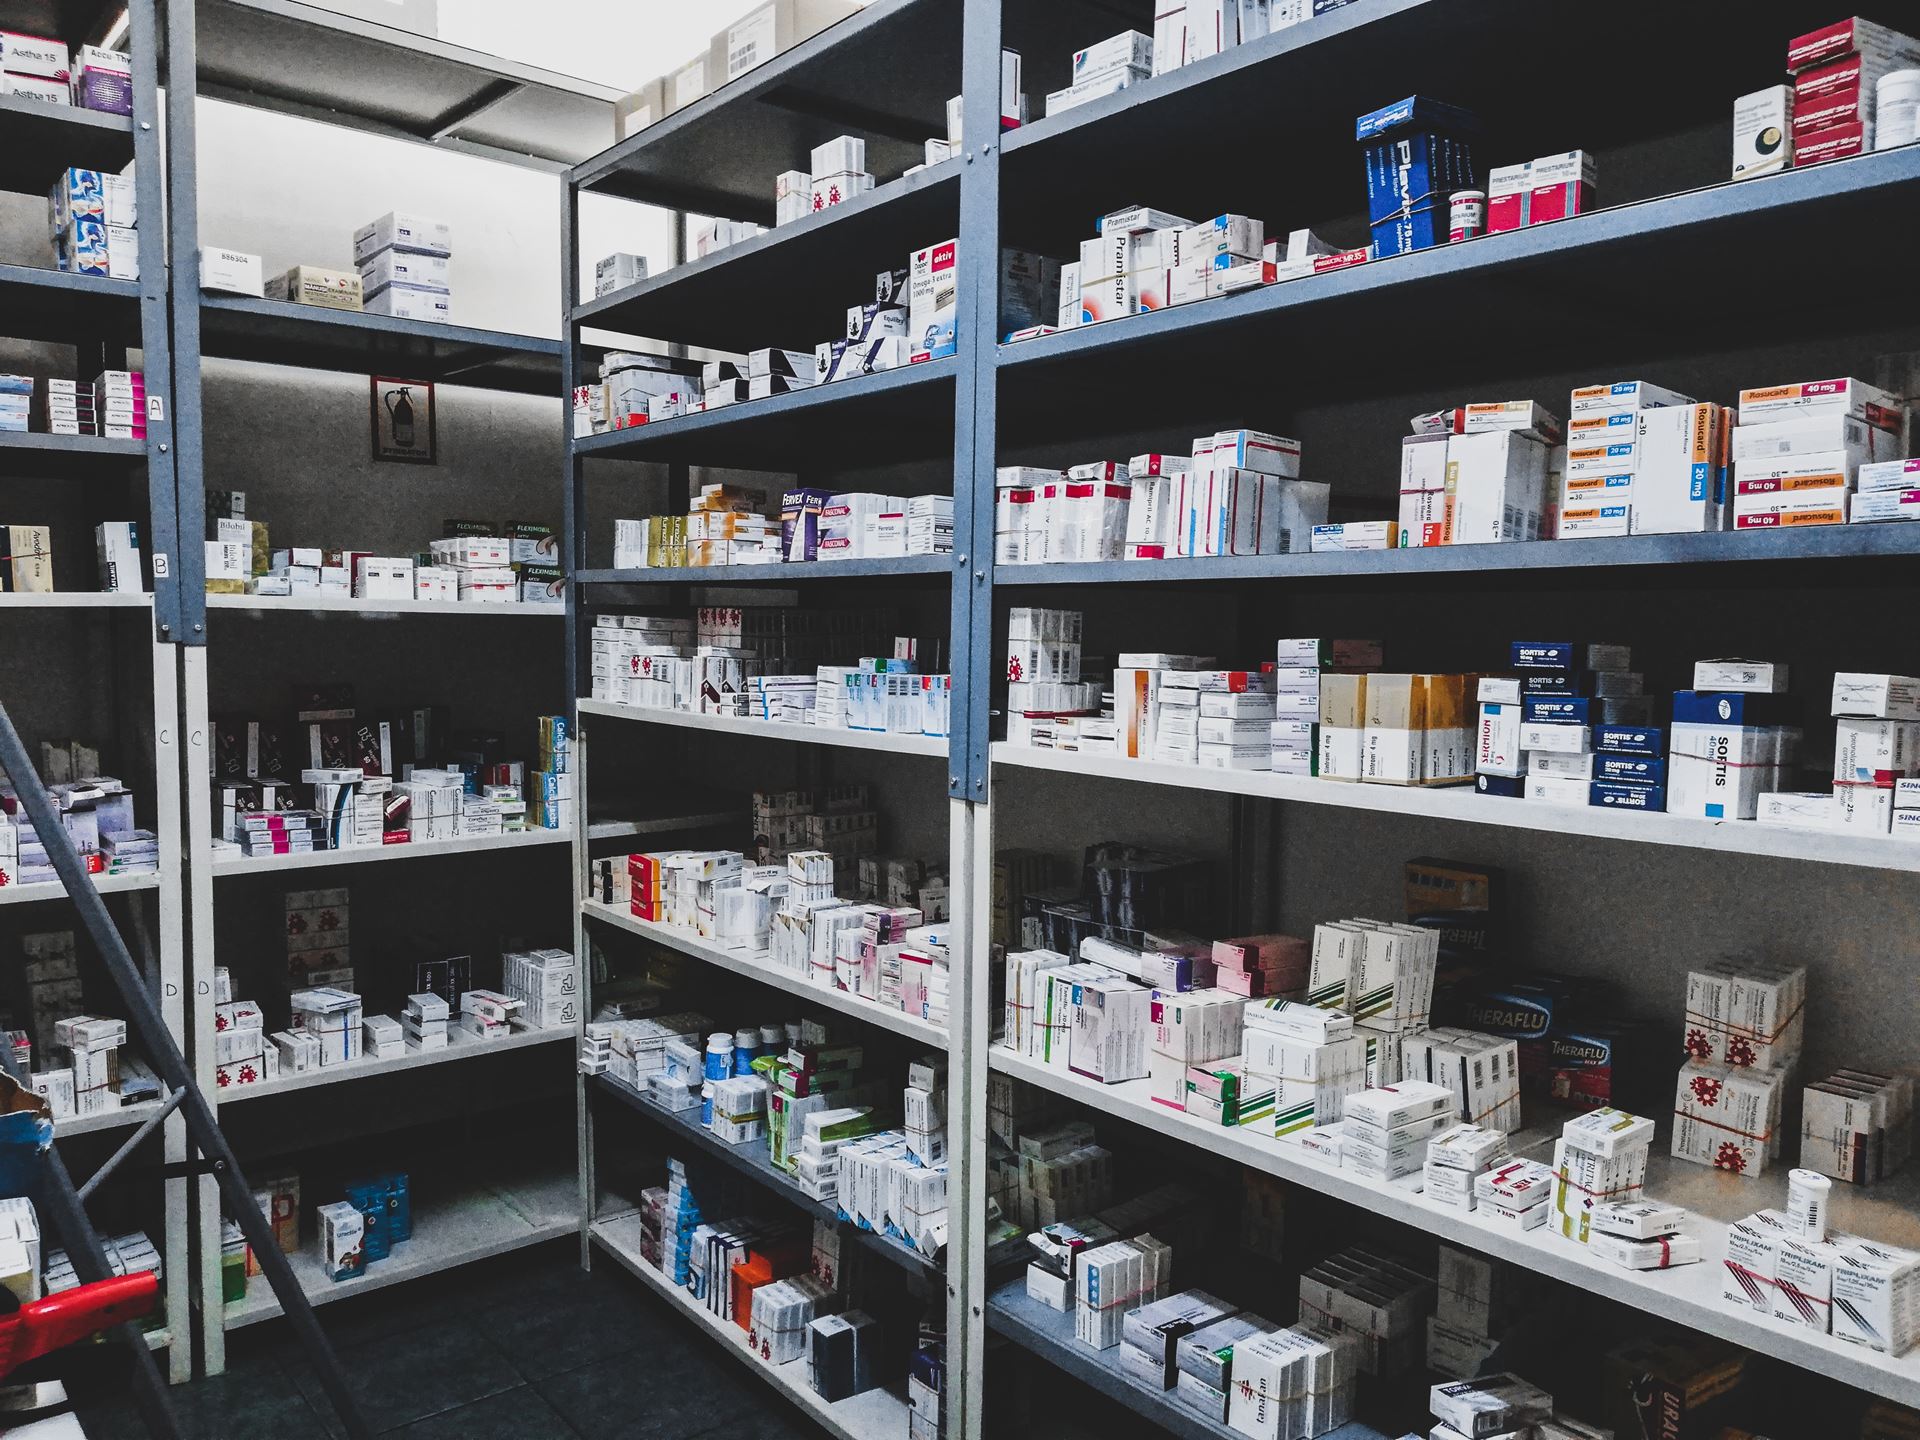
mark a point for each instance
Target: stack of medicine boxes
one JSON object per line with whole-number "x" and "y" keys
{"x": 1745, "y": 1028}
{"x": 1418, "y": 154}
{"x": 1600, "y": 1156}
{"x": 1478, "y": 474}
{"x": 93, "y": 218}
{"x": 1798, "y": 450}
{"x": 1836, "y": 72}
{"x": 1640, "y": 460}
{"x": 1114, "y": 64}
{"x": 839, "y": 172}
{"x": 1572, "y": 726}
{"x": 425, "y": 1022}
{"x": 1731, "y": 742}
{"x": 406, "y": 265}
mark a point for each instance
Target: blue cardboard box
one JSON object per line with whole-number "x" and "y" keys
{"x": 1418, "y": 152}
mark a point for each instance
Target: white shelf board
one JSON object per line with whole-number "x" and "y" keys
{"x": 76, "y": 600}
{"x": 877, "y": 1415}
{"x": 1689, "y": 1295}
{"x": 759, "y": 967}
{"x": 335, "y": 605}
{"x": 460, "y": 1046}
{"x": 770, "y": 729}
{"x": 105, "y": 884}
{"x": 229, "y": 860}
{"x": 660, "y": 824}
{"x": 472, "y": 1223}
{"x": 1460, "y": 803}
{"x": 125, "y": 1118}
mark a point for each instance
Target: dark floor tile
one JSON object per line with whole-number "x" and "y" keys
{"x": 676, "y": 1390}
{"x": 515, "y": 1415}
{"x": 256, "y": 1402}
{"x": 569, "y": 1319}
{"x": 406, "y": 1377}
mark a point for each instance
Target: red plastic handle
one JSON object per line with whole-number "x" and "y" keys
{"x": 60, "y": 1320}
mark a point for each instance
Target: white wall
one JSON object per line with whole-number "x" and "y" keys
{"x": 293, "y": 192}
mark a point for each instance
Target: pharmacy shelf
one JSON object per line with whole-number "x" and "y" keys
{"x": 460, "y": 1046}
{"x": 1462, "y": 804}
{"x": 78, "y": 600}
{"x": 1049, "y": 1334}
{"x": 746, "y": 296}
{"x": 67, "y": 456}
{"x": 1688, "y": 1296}
{"x": 44, "y": 140}
{"x": 909, "y": 566}
{"x": 276, "y": 332}
{"x": 124, "y": 1118}
{"x": 772, "y": 729}
{"x": 40, "y": 304}
{"x": 912, "y": 407}
{"x": 475, "y": 1221}
{"x": 227, "y": 859}
{"x": 1554, "y": 273}
{"x": 54, "y": 890}
{"x": 883, "y": 75}
{"x": 392, "y": 82}
{"x": 876, "y": 1415}
{"x": 755, "y": 1161}
{"x": 660, "y": 825}
{"x": 377, "y": 609}
{"x": 1832, "y": 542}
{"x": 761, "y": 968}
{"x": 1060, "y": 171}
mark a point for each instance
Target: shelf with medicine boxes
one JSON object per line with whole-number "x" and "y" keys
{"x": 1809, "y": 547}
{"x": 758, "y": 966}
{"x": 1049, "y": 1333}
{"x": 906, "y": 567}
{"x": 52, "y": 305}
{"x": 70, "y": 455}
{"x": 899, "y": 744}
{"x": 395, "y": 82}
{"x": 1163, "y": 129}
{"x": 1649, "y": 246}
{"x": 378, "y": 609}
{"x": 912, "y": 407}
{"x": 753, "y": 1159}
{"x": 877, "y": 1414}
{"x": 276, "y": 332}
{"x": 1463, "y": 805}
{"x": 742, "y": 297}
{"x": 89, "y": 600}
{"x": 43, "y": 140}
{"x": 52, "y": 890}
{"x": 459, "y": 1221}
{"x": 460, "y": 1046}
{"x": 882, "y": 73}
{"x": 1689, "y": 1295}
{"x": 228, "y": 859}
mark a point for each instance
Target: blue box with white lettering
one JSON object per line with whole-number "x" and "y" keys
{"x": 1640, "y": 769}
{"x": 1732, "y": 707}
{"x": 1514, "y": 786}
{"x": 1630, "y": 739}
{"x": 1588, "y": 709}
{"x": 1626, "y": 795}
{"x": 1418, "y": 152}
{"x": 1543, "y": 655}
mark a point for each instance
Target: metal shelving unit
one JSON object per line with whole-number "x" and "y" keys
{"x": 884, "y": 74}
{"x": 1196, "y": 367}
{"x": 45, "y": 639}
{"x": 391, "y": 83}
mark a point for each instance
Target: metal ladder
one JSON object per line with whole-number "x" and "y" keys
{"x": 68, "y": 1204}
